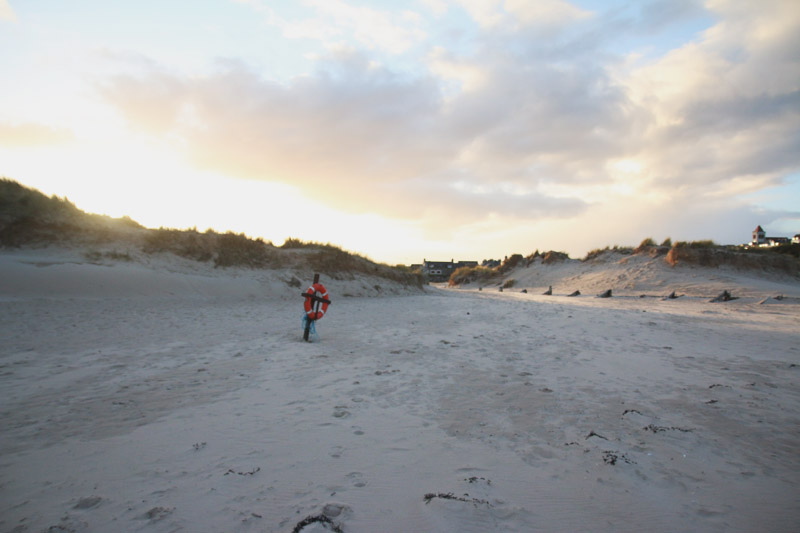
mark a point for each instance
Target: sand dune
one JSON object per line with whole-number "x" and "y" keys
{"x": 60, "y": 272}
{"x": 171, "y": 397}
{"x": 641, "y": 274}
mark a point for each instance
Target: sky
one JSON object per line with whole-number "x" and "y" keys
{"x": 416, "y": 129}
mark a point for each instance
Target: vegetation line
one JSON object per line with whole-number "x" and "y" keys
{"x": 29, "y": 218}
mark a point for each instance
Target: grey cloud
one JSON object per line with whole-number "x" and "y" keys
{"x": 745, "y": 112}
{"x": 475, "y": 199}
{"x": 372, "y": 140}
{"x": 586, "y": 42}
{"x": 525, "y": 206}
{"x": 362, "y": 137}
{"x": 721, "y": 139}
{"x": 539, "y": 116}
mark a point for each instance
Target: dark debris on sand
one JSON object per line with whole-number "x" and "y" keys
{"x": 450, "y": 496}
{"x": 661, "y": 429}
{"x": 322, "y": 519}
{"x": 611, "y": 458}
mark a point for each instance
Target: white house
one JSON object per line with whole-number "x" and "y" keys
{"x": 760, "y": 238}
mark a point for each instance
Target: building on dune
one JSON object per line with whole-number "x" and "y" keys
{"x": 760, "y": 239}
{"x": 442, "y": 270}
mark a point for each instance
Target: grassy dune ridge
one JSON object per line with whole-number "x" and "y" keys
{"x": 784, "y": 259}
{"x": 29, "y": 218}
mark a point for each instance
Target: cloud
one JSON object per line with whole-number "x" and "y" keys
{"x": 32, "y": 134}
{"x": 516, "y": 127}
{"x": 364, "y": 138}
{"x": 725, "y": 108}
{"x": 349, "y": 126}
{"x": 505, "y": 15}
{"x": 627, "y": 224}
{"x": 545, "y": 12}
{"x": 337, "y": 21}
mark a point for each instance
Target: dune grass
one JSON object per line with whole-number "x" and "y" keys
{"x": 480, "y": 274}
{"x": 30, "y": 218}
{"x": 223, "y": 249}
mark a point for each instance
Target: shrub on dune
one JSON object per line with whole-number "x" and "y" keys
{"x": 474, "y": 274}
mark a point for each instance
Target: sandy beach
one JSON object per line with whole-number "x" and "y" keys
{"x": 156, "y": 398}
{"x": 560, "y": 241}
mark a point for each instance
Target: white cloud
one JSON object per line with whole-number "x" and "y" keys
{"x": 516, "y": 14}
{"x": 337, "y": 21}
{"x": 515, "y": 129}
{"x": 545, "y": 12}
{"x": 487, "y": 13}
{"x": 467, "y": 74}
{"x": 726, "y": 108}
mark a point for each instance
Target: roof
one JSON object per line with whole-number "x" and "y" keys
{"x": 759, "y": 228}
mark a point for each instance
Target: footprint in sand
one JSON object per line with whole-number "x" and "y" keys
{"x": 340, "y": 412}
{"x": 157, "y": 513}
{"x": 334, "y": 510}
{"x": 336, "y": 452}
{"x": 357, "y": 478}
{"x": 88, "y": 502}
{"x": 67, "y": 523}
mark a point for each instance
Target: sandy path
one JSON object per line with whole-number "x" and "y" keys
{"x": 542, "y": 413}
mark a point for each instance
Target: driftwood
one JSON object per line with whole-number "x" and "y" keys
{"x": 576, "y": 293}
{"x": 606, "y": 294}
{"x": 548, "y": 292}
{"x": 724, "y": 296}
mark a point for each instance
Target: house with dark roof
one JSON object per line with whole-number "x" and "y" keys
{"x": 438, "y": 271}
{"x": 760, "y": 238}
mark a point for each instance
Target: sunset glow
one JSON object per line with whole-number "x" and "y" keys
{"x": 400, "y": 130}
